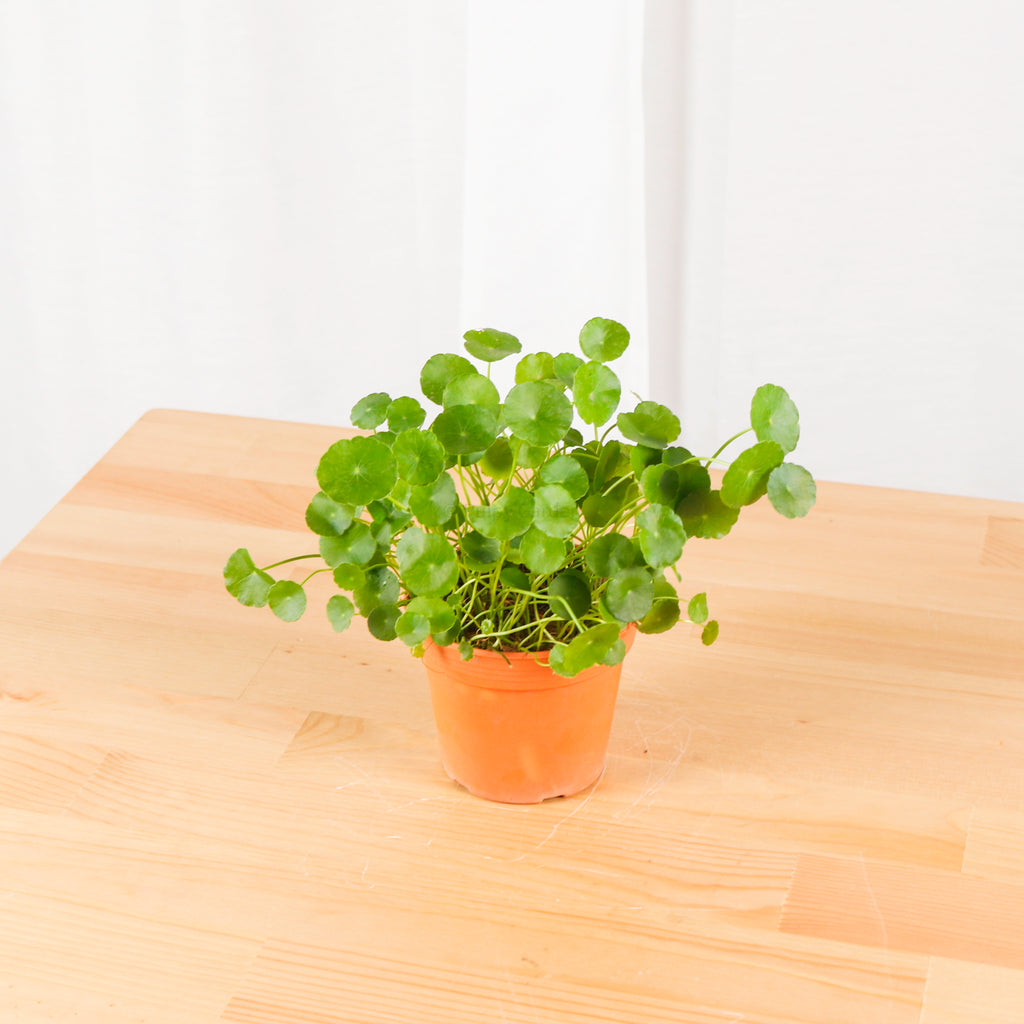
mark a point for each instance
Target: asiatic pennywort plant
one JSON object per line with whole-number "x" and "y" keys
{"x": 501, "y": 525}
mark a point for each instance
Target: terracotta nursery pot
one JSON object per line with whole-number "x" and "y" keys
{"x": 514, "y": 731}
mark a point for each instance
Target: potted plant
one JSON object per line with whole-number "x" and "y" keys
{"x": 518, "y": 555}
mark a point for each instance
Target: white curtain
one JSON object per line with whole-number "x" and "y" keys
{"x": 253, "y": 206}
{"x": 847, "y": 205}
{"x": 258, "y": 207}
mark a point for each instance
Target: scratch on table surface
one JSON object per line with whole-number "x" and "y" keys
{"x": 652, "y": 784}
{"x": 558, "y": 824}
{"x": 362, "y": 877}
{"x": 365, "y": 778}
{"x": 446, "y": 798}
{"x": 874, "y": 899}
{"x": 881, "y": 922}
{"x": 516, "y": 1001}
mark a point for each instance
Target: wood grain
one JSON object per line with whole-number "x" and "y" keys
{"x": 207, "y": 815}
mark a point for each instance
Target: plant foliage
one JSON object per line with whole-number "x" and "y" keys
{"x": 498, "y": 525}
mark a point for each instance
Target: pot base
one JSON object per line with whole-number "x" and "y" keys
{"x": 522, "y": 794}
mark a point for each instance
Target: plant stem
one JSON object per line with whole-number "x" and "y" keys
{"x": 285, "y": 561}
{"x": 735, "y": 437}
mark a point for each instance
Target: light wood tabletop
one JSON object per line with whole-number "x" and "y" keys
{"x": 209, "y": 815}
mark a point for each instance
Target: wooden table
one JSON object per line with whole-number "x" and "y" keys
{"x": 209, "y": 815}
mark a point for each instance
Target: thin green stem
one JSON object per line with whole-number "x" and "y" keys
{"x": 735, "y": 437}
{"x": 285, "y": 561}
{"x": 539, "y": 623}
{"x": 315, "y": 572}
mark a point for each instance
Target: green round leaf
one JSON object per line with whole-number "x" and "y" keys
{"x": 697, "y": 609}
{"x": 537, "y": 412}
{"x": 471, "y": 389}
{"x": 498, "y": 461}
{"x": 630, "y": 594}
{"x": 615, "y": 654}
{"x": 774, "y": 417}
{"x": 603, "y": 340}
{"x": 596, "y": 390}
{"x": 355, "y": 546}
{"x": 388, "y": 520}
{"x": 439, "y": 614}
{"x": 535, "y": 366}
{"x": 676, "y": 455}
{"x": 709, "y": 634}
{"x": 400, "y": 493}
{"x": 659, "y": 484}
{"x": 439, "y": 371}
{"x": 405, "y": 414}
{"x": 435, "y": 503}
{"x": 556, "y": 661}
{"x": 480, "y": 550}
{"x": 660, "y": 535}
{"x": 348, "y": 576}
{"x": 419, "y": 456}
{"x": 465, "y": 429}
{"x": 565, "y": 471}
{"x": 599, "y": 645}
{"x": 665, "y": 611}
{"x": 385, "y": 509}
{"x": 568, "y": 593}
{"x": 791, "y": 490}
{"x": 328, "y": 518}
{"x": 566, "y": 364}
{"x": 510, "y": 515}
{"x": 491, "y": 345}
{"x": 692, "y": 477}
{"x": 609, "y": 553}
{"x": 427, "y": 563}
{"x": 370, "y": 412}
{"x": 704, "y": 514}
{"x": 287, "y": 600}
{"x": 640, "y": 457}
{"x": 382, "y": 532}
{"x": 356, "y": 470}
{"x": 746, "y": 479}
{"x": 513, "y": 576}
{"x": 600, "y": 509}
{"x": 612, "y": 462}
{"x": 540, "y": 552}
{"x": 412, "y": 628}
{"x": 379, "y": 586}
{"x": 649, "y": 424}
{"x": 555, "y": 511}
{"x": 531, "y": 456}
{"x": 339, "y": 612}
{"x": 381, "y": 621}
{"x": 247, "y": 584}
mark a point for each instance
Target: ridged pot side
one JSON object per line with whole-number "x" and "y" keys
{"x": 515, "y": 732}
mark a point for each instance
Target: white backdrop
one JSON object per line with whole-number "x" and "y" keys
{"x": 853, "y": 226}
{"x": 253, "y": 206}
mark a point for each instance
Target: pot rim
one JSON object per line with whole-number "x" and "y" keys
{"x": 529, "y": 669}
